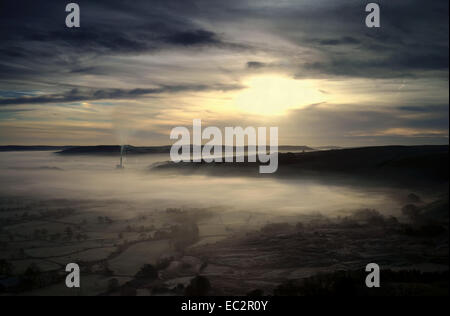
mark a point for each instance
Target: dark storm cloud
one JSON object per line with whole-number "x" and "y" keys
{"x": 255, "y": 65}
{"x": 348, "y": 121}
{"x": 14, "y": 110}
{"x": 197, "y": 37}
{"x": 84, "y": 94}
{"x": 397, "y": 65}
{"x": 412, "y": 40}
{"x": 33, "y": 33}
{"x": 439, "y": 108}
{"x": 413, "y": 36}
{"x": 346, "y": 40}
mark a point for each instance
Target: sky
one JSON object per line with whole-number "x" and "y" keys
{"x": 135, "y": 70}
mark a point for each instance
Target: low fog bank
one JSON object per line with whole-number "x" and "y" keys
{"x": 46, "y": 175}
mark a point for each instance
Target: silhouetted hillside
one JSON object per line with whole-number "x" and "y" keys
{"x": 419, "y": 162}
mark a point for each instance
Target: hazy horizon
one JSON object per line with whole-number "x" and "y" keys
{"x": 168, "y": 145}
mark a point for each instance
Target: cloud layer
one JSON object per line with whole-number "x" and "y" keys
{"x": 180, "y": 55}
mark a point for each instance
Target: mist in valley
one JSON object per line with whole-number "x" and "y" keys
{"x": 145, "y": 231}
{"x": 46, "y": 175}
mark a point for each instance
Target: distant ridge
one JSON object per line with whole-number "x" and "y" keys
{"x": 31, "y": 148}
{"x": 113, "y": 150}
{"x": 132, "y": 150}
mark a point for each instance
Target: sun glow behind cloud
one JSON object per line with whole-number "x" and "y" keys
{"x": 276, "y": 94}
